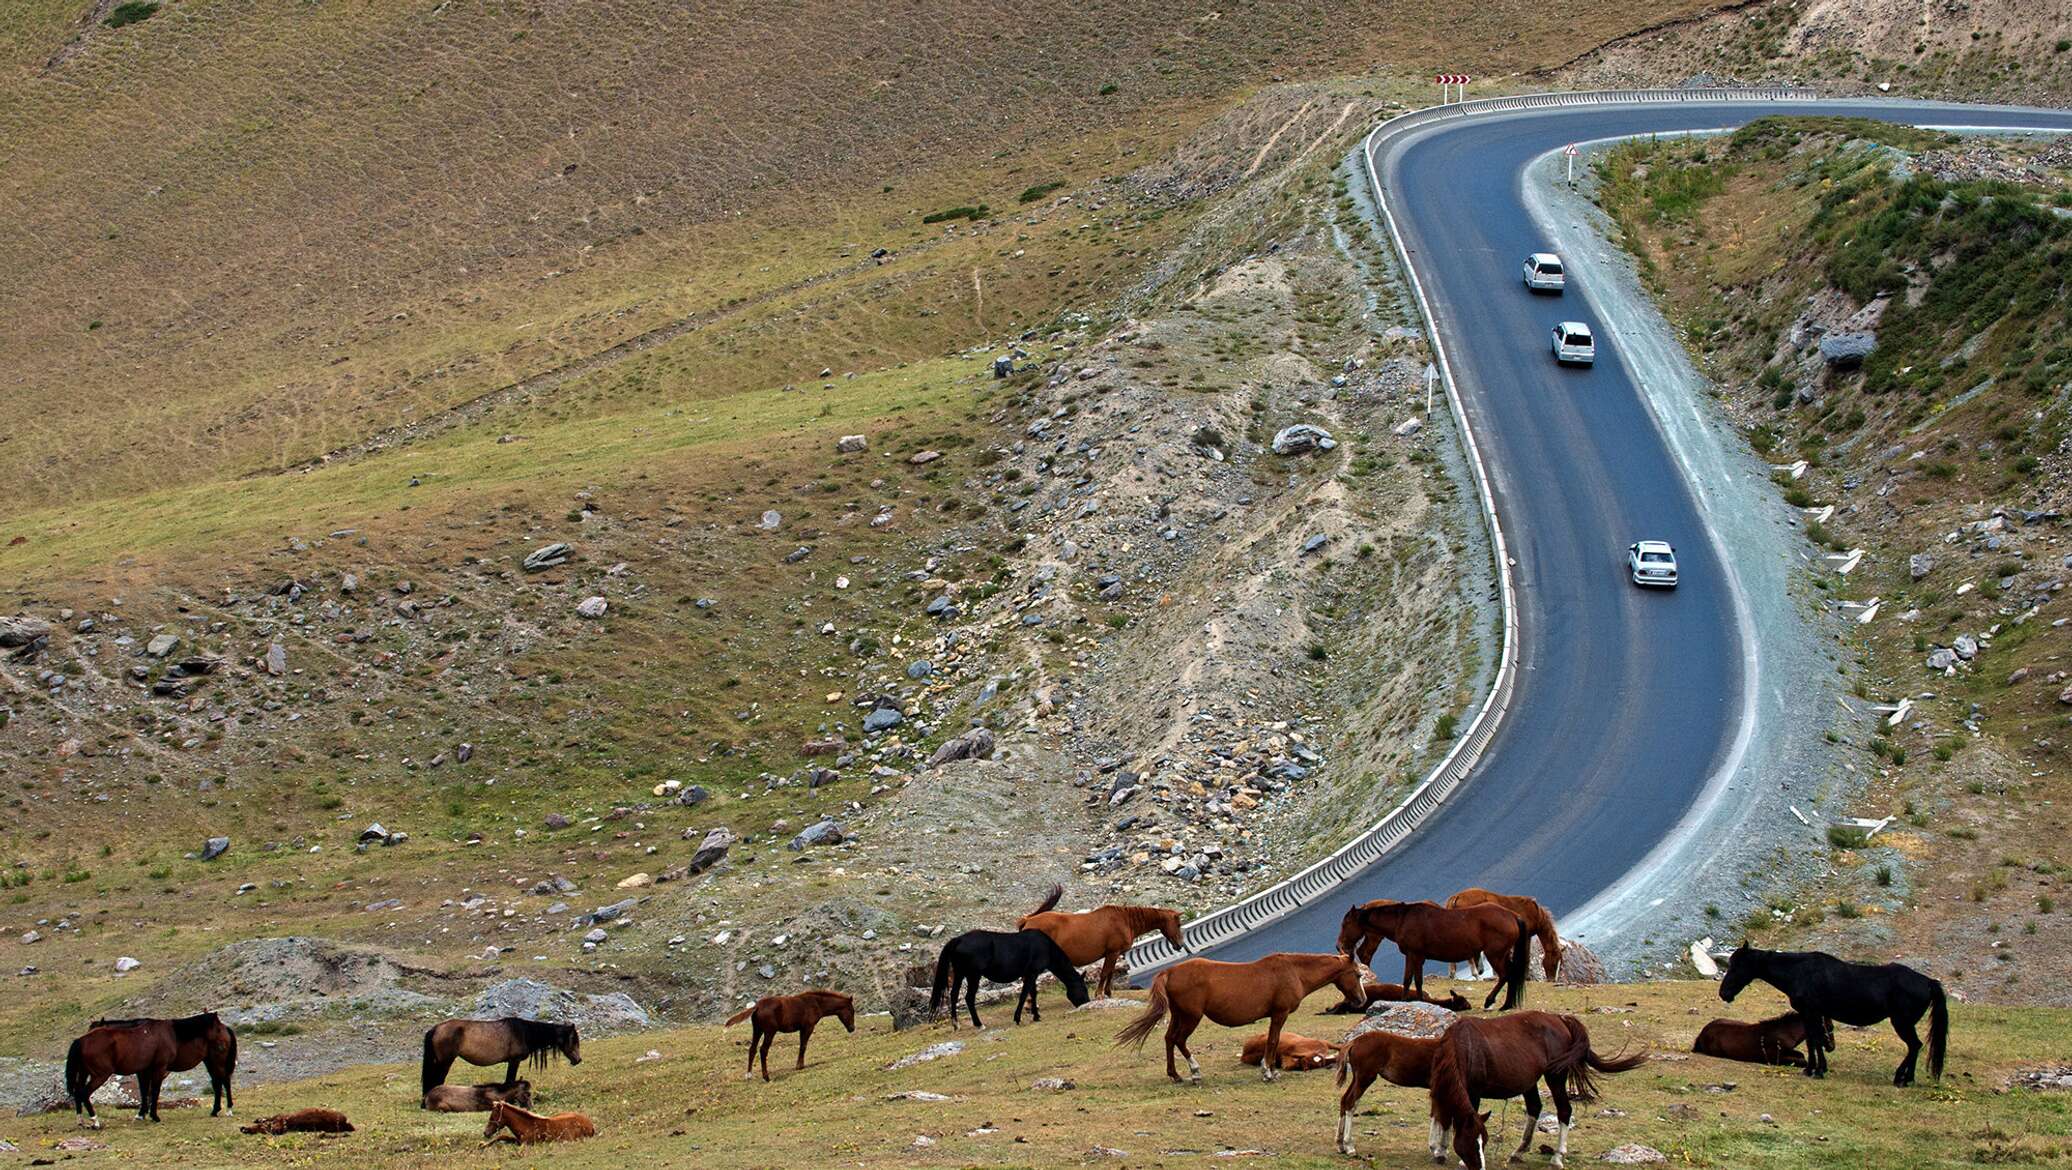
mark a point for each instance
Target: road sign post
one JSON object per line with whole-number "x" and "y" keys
{"x": 1431, "y": 382}
{"x": 1570, "y": 155}
{"x": 1452, "y": 87}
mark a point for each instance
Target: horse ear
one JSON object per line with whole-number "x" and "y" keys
{"x": 1485, "y": 1117}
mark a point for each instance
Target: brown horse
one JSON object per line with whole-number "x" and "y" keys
{"x": 511, "y": 1040}
{"x": 1102, "y": 934}
{"x": 792, "y": 1013}
{"x": 1296, "y": 1052}
{"x": 1536, "y": 917}
{"x": 1400, "y": 1060}
{"x": 149, "y": 1049}
{"x": 1772, "y": 1041}
{"x": 1236, "y": 994}
{"x": 528, "y": 1128}
{"x": 1507, "y": 1056}
{"x": 1397, "y": 993}
{"x": 302, "y": 1121}
{"x": 476, "y": 1098}
{"x": 1422, "y": 930}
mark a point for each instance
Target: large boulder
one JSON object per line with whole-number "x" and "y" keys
{"x": 535, "y": 1000}
{"x": 976, "y": 744}
{"x": 1302, "y": 438}
{"x": 547, "y": 556}
{"x": 1847, "y": 350}
{"x": 1580, "y": 966}
{"x": 1419, "y": 1021}
{"x": 818, "y": 833}
{"x": 22, "y": 630}
{"x": 712, "y": 850}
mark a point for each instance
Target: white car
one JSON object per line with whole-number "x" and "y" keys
{"x": 1543, "y": 273}
{"x": 1652, "y": 562}
{"x": 1573, "y": 344}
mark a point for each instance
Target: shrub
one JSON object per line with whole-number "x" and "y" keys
{"x": 944, "y": 216}
{"x": 1445, "y": 727}
{"x": 1038, "y": 191}
{"x": 1847, "y": 837}
{"x": 131, "y": 13}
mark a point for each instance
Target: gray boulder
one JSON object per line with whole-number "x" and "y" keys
{"x": 1302, "y": 438}
{"x": 535, "y": 1000}
{"x": 1420, "y": 1021}
{"x": 1920, "y": 565}
{"x": 883, "y": 719}
{"x": 1847, "y": 350}
{"x": 818, "y": 833}
{"x": 712, "y": 850}
{"x": 850, "y": 444}
{"x": 976, "y": 744}
{"x": 546, "y": 556}
{"x": 215, "y": 847}
{"x": 592, "y": 608}
{"x": 22, "y": 630}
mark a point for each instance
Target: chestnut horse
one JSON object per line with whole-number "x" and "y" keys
{"x": 1102, "y": 934}
{"x": 1397, "y": 993}
{"x": 1296, "y": 1052}
{"x": 1236, "y": 994}
{"x": 476, "y": 1098}
{"x": 1399, "y": 1060}
{"x": 1536, "y": 916}
{"x": 528, "y": 1127}
{"x": 1772, "y": 1041}
{"x": 791, "y": 1013}
{"x": 302, "y": 1121}
{"x": 1423, "y": 930}
{"x": 1507, "y": 1056}
{"x": 150, "y": 1049}
{"x": 512, "y": 1040}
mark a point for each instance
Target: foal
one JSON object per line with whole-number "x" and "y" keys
{"x": 792, "y": 1013}
{"x": 1773, "y": 1041}
{"x": 476, "y": 1098}
{"x": 528, "y": 1127}
{"x": 1296, "y": 1053}
{"x": 1399, "y": 1060}
{"x": 1236, "y": 994}
{"x": 1397, "y": 993}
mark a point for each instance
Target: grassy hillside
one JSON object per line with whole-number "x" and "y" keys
{"x": 1942, "y": 453}
{"x": 677, "y": 1098}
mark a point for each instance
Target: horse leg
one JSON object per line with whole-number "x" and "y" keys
{"x": 769, "y": 1038}
{"x": 511, "y": 1073}
{"x": 1176, "y": 1035}
{"x": 1413, "y": 973}
{"x": 147, "y": 1092}
{"x": 1563, "y": 1113}
{"x": 1438, "y": 1143}
{"x": 1532, "y": 1121}
{"x": 971, "y": 1001}
{"x": 1269, "y": 1067}
{"x": 1108, "y": 973}
{"x": 755, "y": 1037}
{"x": 1904, "y": 1074}
{"x": 1496, "y": 968}
{"x": 805, "y": 1034}
{"x": 93, "y": 1085}
{"x": 1354, "y": 1090}
{"x": 956, "y": 985}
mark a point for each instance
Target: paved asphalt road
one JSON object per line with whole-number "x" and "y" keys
{"x": 1627, "y": 700}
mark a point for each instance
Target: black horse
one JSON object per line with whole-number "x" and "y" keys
{"x": 1002, "y": 957}
{"x": 1823, "y": 989}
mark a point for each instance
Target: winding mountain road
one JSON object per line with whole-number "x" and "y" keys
{"x": 1628, "y": 705}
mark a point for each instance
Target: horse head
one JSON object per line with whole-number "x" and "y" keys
{"x": 1456, "y": 1002}
{"x": 1350, "y": 930}
{"x": 1350, "y": 983}
{"x": 1742, "y": 968}
{"x": 1469, "y": 1133}
{"x": 1169, "y": 926}
{"x": 570, "y": 1044}
{"x": 846, "y": 1012}
{"x": 495, "y": 1122}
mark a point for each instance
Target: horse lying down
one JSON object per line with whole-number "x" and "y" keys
{"x": 477, "y": 1098}
{"x": 528, "y": 1128}
{"x": 302, "y": 1121}
{"x": 1397, "y": 993}
{"x": 1772, "y": 1041}
{"x": 1297, "y": 1052}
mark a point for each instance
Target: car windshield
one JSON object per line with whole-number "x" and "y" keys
{"x": 1655, "y": 558}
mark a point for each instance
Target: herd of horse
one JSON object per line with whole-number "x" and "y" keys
{"x": 1475, "y": 1059}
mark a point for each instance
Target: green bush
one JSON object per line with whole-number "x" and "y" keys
{"x": 131, "y": 13}
{"x": 1039, "y": 191}
{"x": 978, "y": 212}
{"x": 1847, "y": 837}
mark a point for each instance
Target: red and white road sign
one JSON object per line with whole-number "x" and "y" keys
{"x": 1452, "y": 79}
{"x": 1571, "y": 151}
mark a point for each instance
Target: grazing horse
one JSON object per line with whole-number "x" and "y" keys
{"x": 1773, "y": 1041}
{"x": 1296, "y": 1052}
{"x": 1102, "y": 934}
{"x": 1536, "y": 916}
{"x": 1003, "y": 958}
{"x": 791, "y": 1013}
{"x": 1423, "y": 930}
{"x": 1507, "y": 1056}
{"x": 528, "y": 1127}
{"x": 1823, "y": 989}
{"x": 148, "y": 1049}
{"x": 1400, "y": 1060}
{"x": 476, "y": 1098}
{"x": 511, "y": 1040}
{"x": 1397, "y": 993}
{"x": 1236, "y": 994}
{"x": 302, "y": 1121}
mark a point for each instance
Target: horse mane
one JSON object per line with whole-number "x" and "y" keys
{"x": 1140, "y": 919}
{"x": 194, "y": 1027}
{"x": 540, "y": 1037}
{"x": 1461, "y": 1058}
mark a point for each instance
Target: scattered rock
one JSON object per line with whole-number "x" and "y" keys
{"x": 850, "y": 444}
{"x": 825, "y": 832}
{"x": 162, "y": 645}
{"x": 1633, "y": 1154}
{"x": 1407, "y": 427}
{"x": 535, "y": 1000}
{"x": 883, "y": 719}
{"x": 22, "y": 630}
{"x": 770, "y": 520}
{"x": 976, "y": 744}
{"x": 932, "y": 1052}
{"x": 1580, "y": 966}
{"x": 1421, "y": 1021}
{"x": 1302, "y": 438}
{"x": 215, "y": 847}
{"x": 712, "y": 850}
{"x": 922, "y": 458}
{"x": 1920, "y": 565}
{"x": 1847, "y": 350}
{"x": 547, "y": 557}
{"x": 592, "y": 607}
{"x": 126, "y": 964}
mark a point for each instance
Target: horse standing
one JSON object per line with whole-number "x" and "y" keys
{"x": 511, "y": 1040}
{"x": 1423, "y": 930}
{"x": 1399, "y": 1060}
{"x": 1535, "y": 915}
{"x": 149, "y": 1049}
{"x": 1236, "y": 994}
{"x": 1507, "y": 1056}
{"x": 1003, "y": 958}
{"x": 529, "y": 1128}
{"x": 1823, "y": 989}
{"x": 791, "y": 1013}
{"x": 1772, "y": 1041}
{"x": 1102, "y": 934}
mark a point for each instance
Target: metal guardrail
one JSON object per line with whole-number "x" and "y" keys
{"x": 1313, "y": 883}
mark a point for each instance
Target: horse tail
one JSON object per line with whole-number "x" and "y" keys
{"x": 942, "y": 978}
{"x": 1550, "y": 944}
{"x": 75, "y": 1073}
{"x": 430, "y": 1075}
{"x": 739, "y": 1016}
{"x": 1938, "y": 1027}
{"x": 1521, "y": 955}
{"x": 1345, "y": 1058}
{"x": 1050, "y": 900}
{"x": 1136, "y": 1030}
